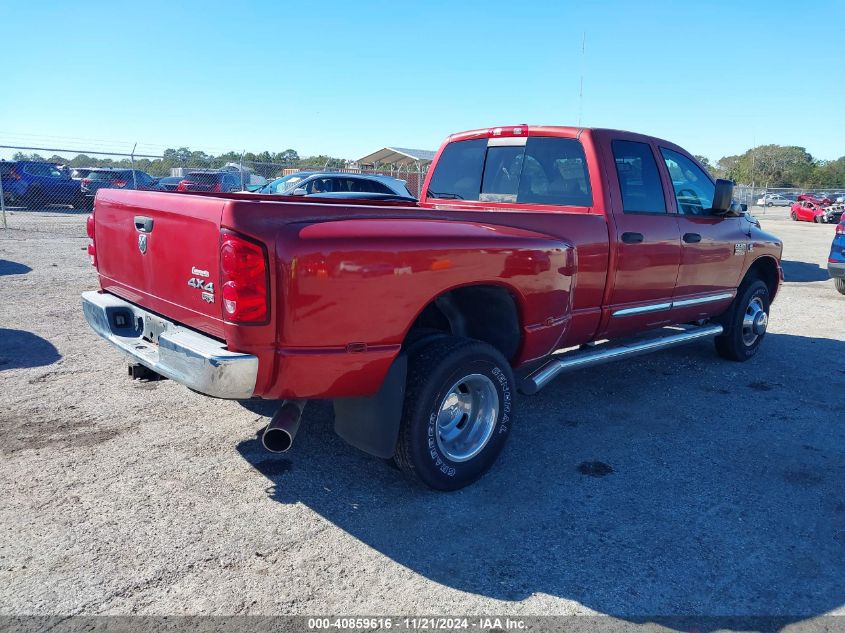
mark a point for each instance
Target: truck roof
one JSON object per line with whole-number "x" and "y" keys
{"x": 563, "y": 131}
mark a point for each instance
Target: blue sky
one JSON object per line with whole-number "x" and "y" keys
{"x": 346, "y": 78}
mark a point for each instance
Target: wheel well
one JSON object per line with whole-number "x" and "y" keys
{"x": 766, "y": 269}
{"x": 485, "y": 313}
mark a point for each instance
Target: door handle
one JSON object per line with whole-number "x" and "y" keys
{"x": 632, "y": 238}
{"x": 692, "y": 238}
{"x": 143, "y": 224}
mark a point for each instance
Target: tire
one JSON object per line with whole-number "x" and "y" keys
{"x": 450, "y": 368}
{"x": 768, "y": 204}
{"x": 741, "y": 340}
{"x": 819, "y": 219}
{"x": 794, "y": 216}
{"x": 839, "y": 282}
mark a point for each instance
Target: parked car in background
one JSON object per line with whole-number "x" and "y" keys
{"x": 836, "y": 259}
{"x": 33, "y": 184}
{"x": 322, "y": 183}
{"x": 111, "y": 178}
{"x": 214, "y": 181}
{"x": 169, "y": 183}
{"x": 811, "y": 209}
{"x": 774, "y": 200}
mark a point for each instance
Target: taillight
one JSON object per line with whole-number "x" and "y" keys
{"x": 217, "y": 188}
{"x": 243, "y": 269}
{"x": 13, "y": 174}
{"x": 119, "y": 183}
{"x": 182, "y": 186}
{"x": 92, "y": 248}
{"x": 840, "y": 228}
{"x": 86, "y": 181}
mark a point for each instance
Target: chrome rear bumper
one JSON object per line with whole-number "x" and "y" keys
{"x": 188, "y": 357}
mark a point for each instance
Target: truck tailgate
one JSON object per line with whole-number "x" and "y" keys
{"x": 161, "y": 251}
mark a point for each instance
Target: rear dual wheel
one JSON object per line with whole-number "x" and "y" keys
{"x": 457, "y": 414}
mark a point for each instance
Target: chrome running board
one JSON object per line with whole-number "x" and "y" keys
{"x": 569, "y": 361}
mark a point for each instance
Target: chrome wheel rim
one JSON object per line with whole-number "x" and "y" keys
{"x": 755, "y": 322}
{"x": 467, "y": 417}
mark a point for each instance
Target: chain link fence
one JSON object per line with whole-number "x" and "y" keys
{"x": 45, "y": 188}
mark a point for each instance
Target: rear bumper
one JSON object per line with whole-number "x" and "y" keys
{"x": 836, "y": 270}
{"x": 188, "y": 357}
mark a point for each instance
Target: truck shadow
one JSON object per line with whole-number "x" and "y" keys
{"x": 803, "y": 271}
{"x": 674, "y": 485}
{"x": 20, "y": 349}
{"x": 13, "y": 268}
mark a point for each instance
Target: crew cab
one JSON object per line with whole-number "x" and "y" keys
{"x": 532, "y": 251}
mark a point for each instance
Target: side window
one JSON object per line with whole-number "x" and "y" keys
{"x": 694, "y": 190}
{"x": 555, "y": 172}
{"x": 639, "y": 180}
{"x": 376, "y": 187}
{"x": 457, "y": 175}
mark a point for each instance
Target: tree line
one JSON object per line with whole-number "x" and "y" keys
{"x": 778, "y": 166}
{"x": 267, "y": 164}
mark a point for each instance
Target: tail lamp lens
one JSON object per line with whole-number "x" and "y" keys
{"x": 92, "y": 248}
{"x": 243, "y": 266}
{"x": 840, "y": 229}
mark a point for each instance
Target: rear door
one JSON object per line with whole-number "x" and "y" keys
{"x": 713, "y": 247}
{"x": 647, "y": 241}
{"x": 161, "y": 251}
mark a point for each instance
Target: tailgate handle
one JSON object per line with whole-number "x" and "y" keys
{"x": 143, "y": 224}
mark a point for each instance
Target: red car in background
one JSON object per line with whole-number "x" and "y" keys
{"x": 811, "y": 209}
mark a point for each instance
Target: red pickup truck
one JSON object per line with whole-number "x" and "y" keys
{"x": 535, "y": 249}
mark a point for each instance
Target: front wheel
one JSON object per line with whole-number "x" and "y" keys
{"x": 748, "y": 319}
{"x": 457, "y": 414}
{"x": 839, "y": 282}
{"x": 820, "y": 219}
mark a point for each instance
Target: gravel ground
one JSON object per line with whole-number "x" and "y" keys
{"x": 677, "y": 483}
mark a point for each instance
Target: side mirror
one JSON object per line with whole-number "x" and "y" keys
{"x": 299, "y": 191}
{"x": 723, "y": 196}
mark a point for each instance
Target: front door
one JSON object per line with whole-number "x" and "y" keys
{"x": 713, "y": 247}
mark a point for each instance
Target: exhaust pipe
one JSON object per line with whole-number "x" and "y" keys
{"x": 279, "y": 434}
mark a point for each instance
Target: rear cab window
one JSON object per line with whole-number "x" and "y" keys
{"x": 541, "y": 170}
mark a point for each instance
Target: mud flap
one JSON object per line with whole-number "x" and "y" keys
{"x": 372, "y": 423}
